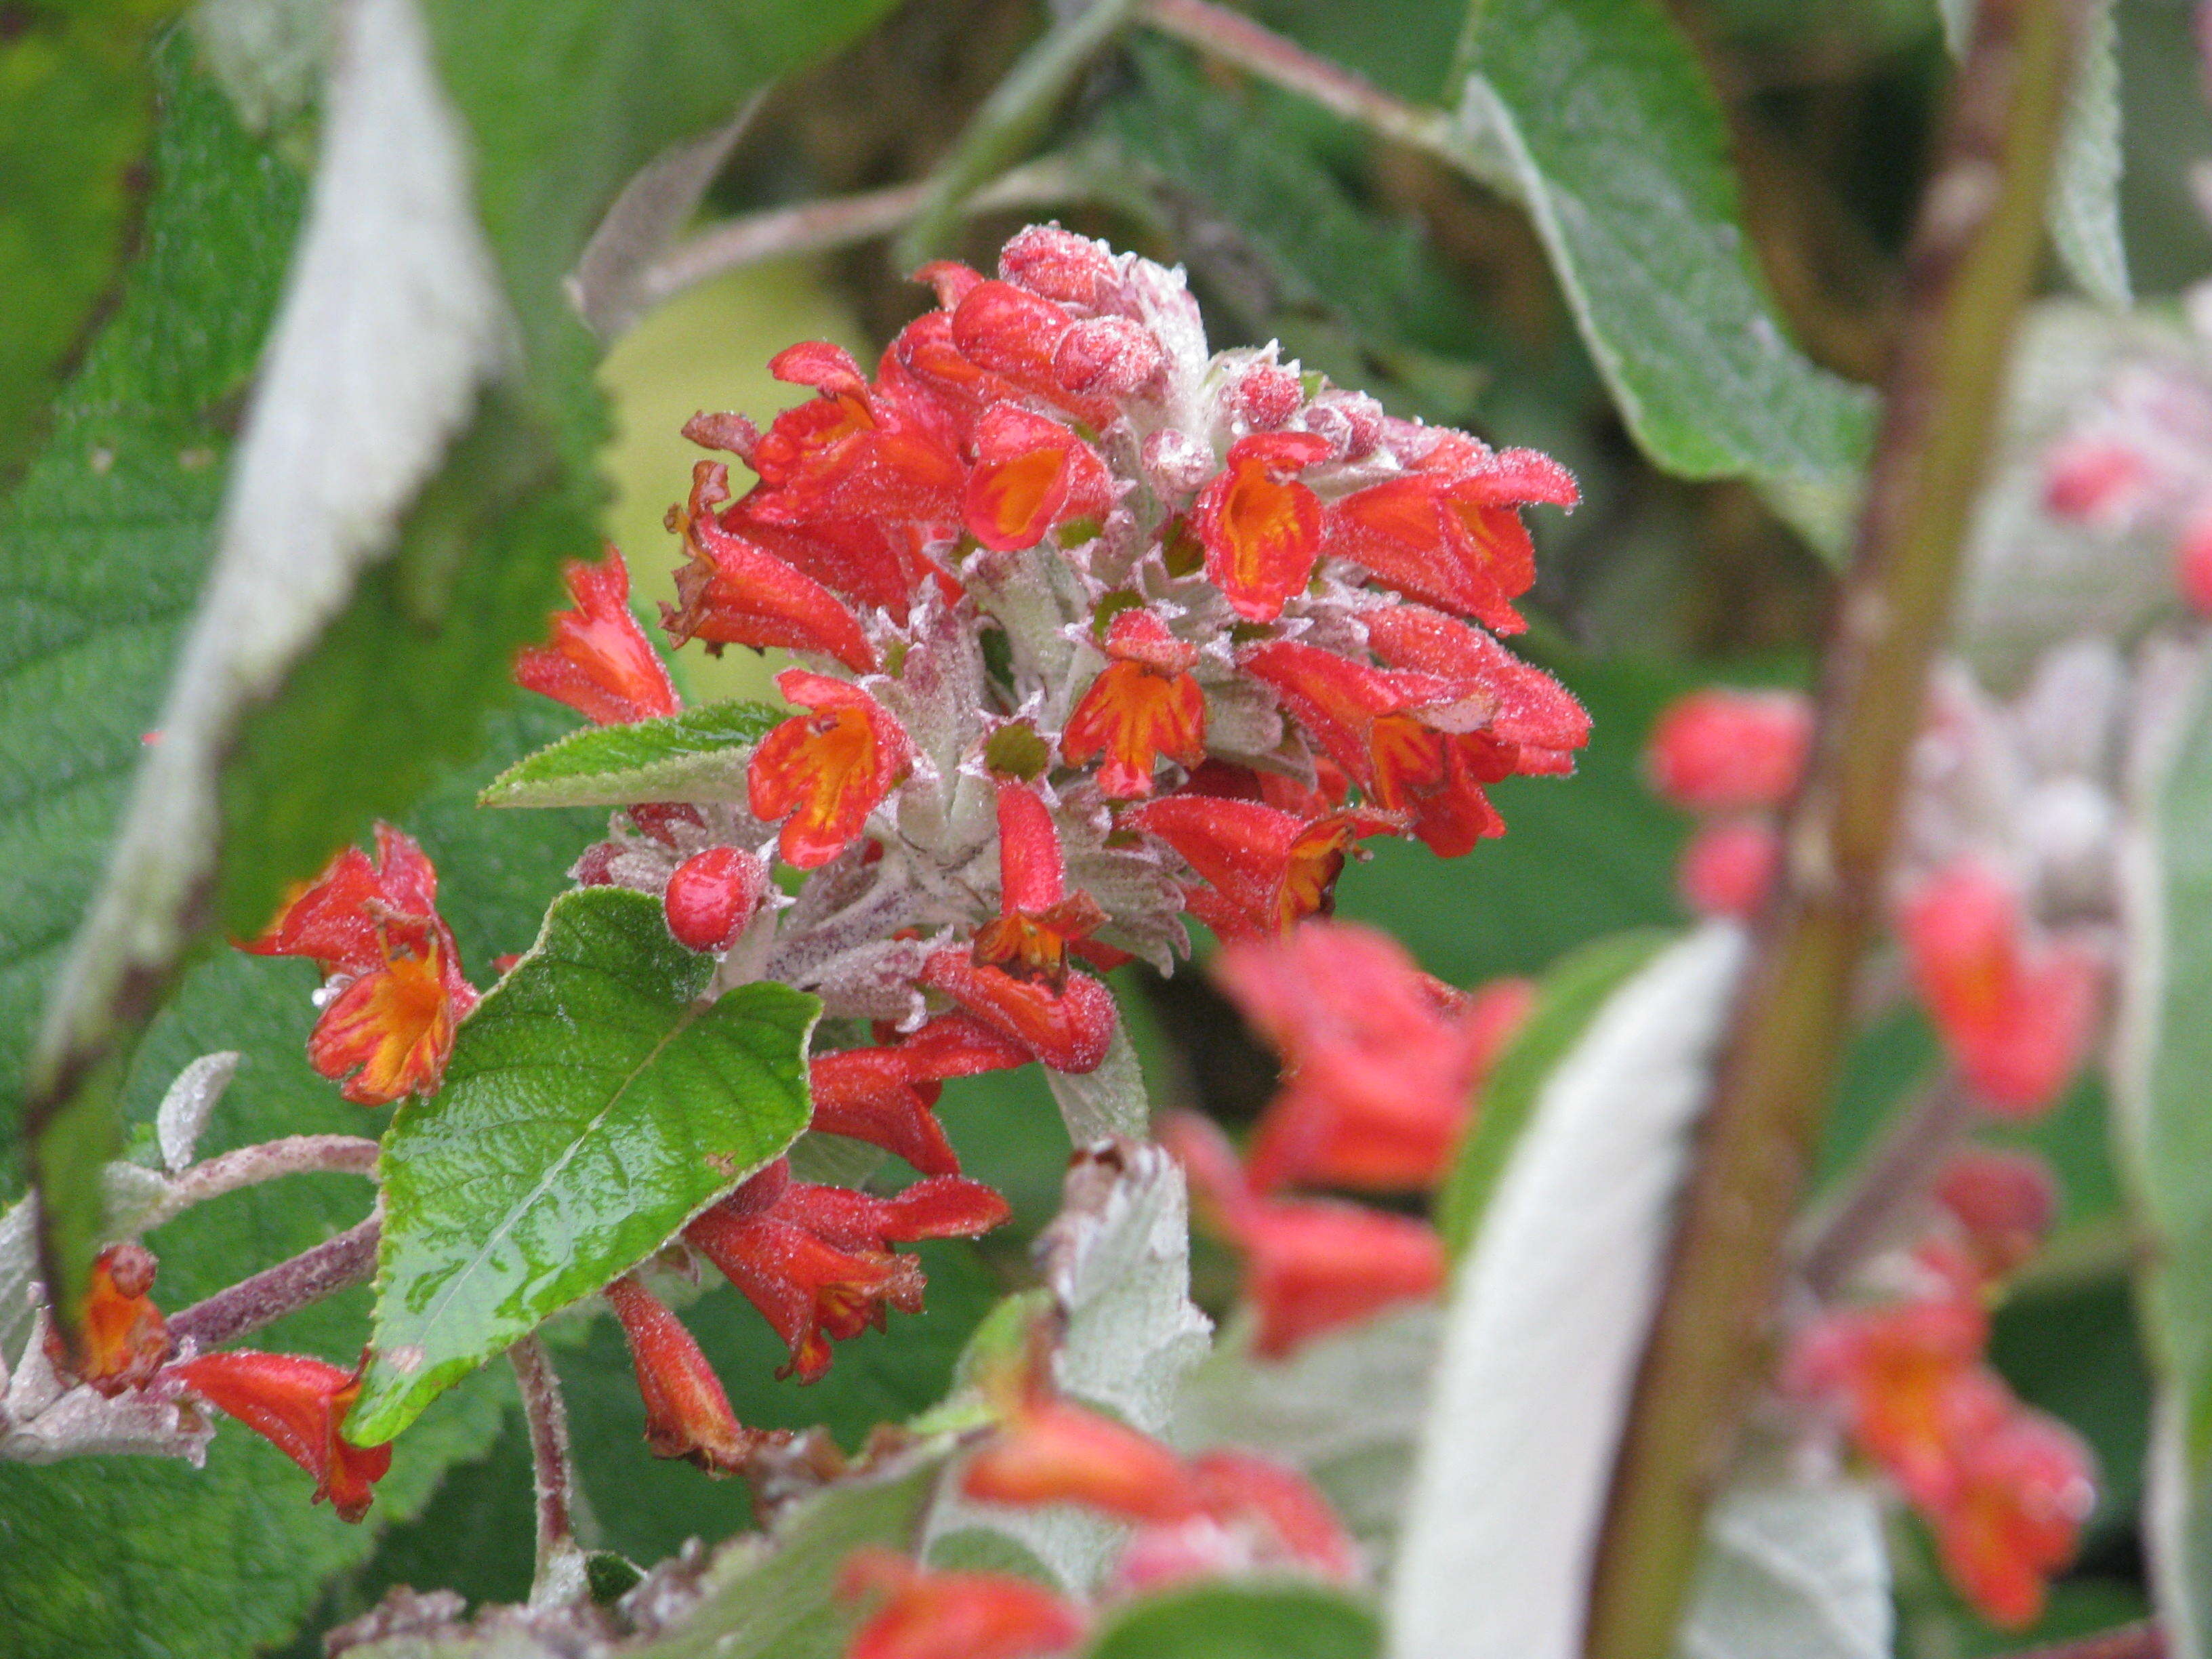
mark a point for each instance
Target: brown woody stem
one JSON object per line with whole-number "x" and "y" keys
{"x": 335, "y": 1264}
{"x": 1972, "y": 257}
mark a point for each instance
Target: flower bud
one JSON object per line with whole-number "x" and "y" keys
{"x": 1108, "y": 356}
{"x": 1728, "y": 867}
{"x": 711, "y": 896}
{"x": 1723, "y": 750}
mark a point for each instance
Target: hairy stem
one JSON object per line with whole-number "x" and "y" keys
{"x": 248, "y": 1166}
{"x": 1010, "y": 120}
{"x": 560, "y": 1562}
{"x": 1889, "y": 1189}
{"x": 335, "y": 1264}
{"x": 1973, "y": 256}
{"x": 842, "y": 221}
{"x": 1235, "y": 39}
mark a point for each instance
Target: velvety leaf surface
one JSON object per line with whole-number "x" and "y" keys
{"x": 697, "y": 754}
{"x": 1251, "y": 1620}
{"x": 2164, "y": 1056}
{"x": 1790, "y": 1569}
{"x": 590, "y": 1108}
{"x": 1567, "y": 1001}
{"x": 1621, "y": 151}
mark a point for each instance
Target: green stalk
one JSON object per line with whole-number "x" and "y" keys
{"x": 1973, "y": 256}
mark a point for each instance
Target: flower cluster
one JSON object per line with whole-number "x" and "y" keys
{"x": 1221, "y": 1512}
{"x": 1094, "y": 631}
{"x": 2006, "y": 1488}
{"x": 1382, "y": 1066}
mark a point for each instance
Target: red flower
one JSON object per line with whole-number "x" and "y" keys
{"x": 296, "y": 1404}
{"x": 390, "y": 1031}
{"x": 2016, "y": 1019}
{"x": 687, "y": 1414}
{"x": 854, "y": 453}
{"x": 599, "y": 662}
{"x": 1310, "y": 1266}
{"x": 1721, "y": 751}
{"x": 122, "y": 1339}
{"x": 954, "y": 1615}
{"x": 1492, "y": 691}
{"x": 1448, "y": 532}
{"x": 1038, "y": 918}
{"x": 1261, "y": 527}
{"x": 1068, "y": 1029}
{"x": 1908, "y": 1379}
{"x": 1376, "y": 724}
{"x": 1728, "y": 868}
{"x": 738, "y": 591}
{"x": 712, "y": 896}
{"x": 1030, "y": 474}
{"x": 1264, "y": 868}
{"x": 2014, "y": 1519}
{"x": 1142, "y": 706}
{"x": 2003, "y": 1201}
{"x": 1050, "y": 1450}
{"x": 1381, "y": 1060}
{"x": 816, "y": 1261}
{"x": 825, "y": 770}
{"x": 884, "y": 1096}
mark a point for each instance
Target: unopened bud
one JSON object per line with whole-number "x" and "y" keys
{"x": 711, "y": 896}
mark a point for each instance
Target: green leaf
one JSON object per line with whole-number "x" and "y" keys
{"x": 698, "y": 754}
{"x": 1620, "y": 151}
{"x": 1790, "y": 1569}
{"x": 2165, "y": 1054}
{"x": 76, "y": 91}
{"x": 591, "y": 1107}
{"x": 107, "y": 538}
{"x": 139, "y": 1558}
{"x": 1567, "y": 1001}
{"x": 1242, "y": 1620}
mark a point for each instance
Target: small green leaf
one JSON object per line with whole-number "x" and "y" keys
{"x": 1246, "y": 1620}
{"x": 592, "y": 1106}
{"x": 1570, "y": 997}
{"x": 698, "y": 754}
{"x": 1620, "y": 150}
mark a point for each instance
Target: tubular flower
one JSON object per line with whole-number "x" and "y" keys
{"x": 1050, "y": 1450}
{"x": 1381, "y": 1060}
{"x": 1038, "y": 918}
{"x": 1908, "y": 1380}
{"x": 1068, "y": 1029}
{"x": 1261, "y": 527}
{"x": 884, "y": 1096}
{"x": 2017, "y": 1017}
{"x": 687, "y": 1414}
{"x": 737, "y": 591}
{"x": 1143, "y": 707}
{"x": 1310, "y": 1265}
{"x": 1264, "y": 868}
{"x": 297, "y": 1405}
{"x": 824, "y": 771}
{"x": 389, "y": 1028}
{"x": 122, "y": 1339}
{"x": 816, "y": 1261}
{"x": 924, "y": 1614}
{"x": 2014, "y": 1516}
{"x": 599, "y": 662}
{"x": 2003, "y": 1201}
{"x": 1030, "y": 474}
{"x": 1722, "y": 750}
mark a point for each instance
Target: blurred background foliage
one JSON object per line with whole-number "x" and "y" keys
{"x": 1376, "y": 264}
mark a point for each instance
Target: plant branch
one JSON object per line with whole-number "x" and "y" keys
{"x": 842, "y": 221}
{"x": 561, "y": 1574}
{"x": 249, "y": 1166}
{"x": 1973, "y": 254}
{"x": 1889, "y": 1188}
{"x": 335, "y": 1264}
{"x": 1009, "y": 121}
{"x": 1235, "y": 39}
